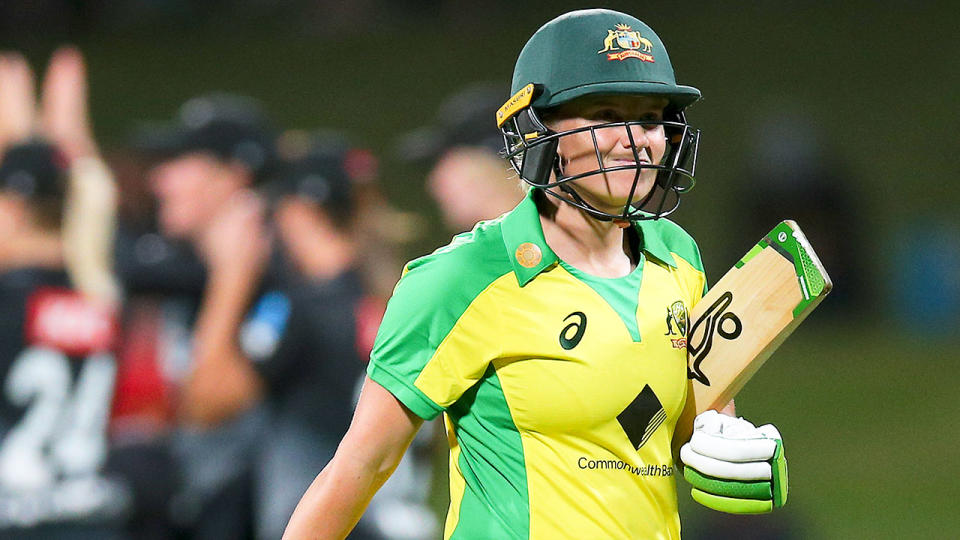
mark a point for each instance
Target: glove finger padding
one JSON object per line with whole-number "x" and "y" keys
{"x": 753, "y": 470}
{"x": 732, "y": 505}
{"x": 733, "y": 450}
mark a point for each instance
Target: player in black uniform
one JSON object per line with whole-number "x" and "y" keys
{"x": 302, "y": 338}
{"x": 212, "y": 267}
{"x": 57, "y": 313}
{"x": 56, "y": 369}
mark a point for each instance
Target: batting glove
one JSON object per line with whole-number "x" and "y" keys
{"x": 734, "y": 466}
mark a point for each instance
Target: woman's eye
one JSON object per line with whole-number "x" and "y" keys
{"x": 608, "y": 115}
{"x": 652, "y": 121}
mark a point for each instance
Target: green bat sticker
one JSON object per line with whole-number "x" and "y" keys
{"x": 788, "y": 240}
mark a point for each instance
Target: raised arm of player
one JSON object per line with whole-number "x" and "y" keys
{"x": 89, "y": 219}
{"x": 380, "y": 433}
{"x": 235, "y": 248}
{"x": 17, "y": 99}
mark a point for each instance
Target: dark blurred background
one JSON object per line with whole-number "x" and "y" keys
{"x": 841, "y": 116}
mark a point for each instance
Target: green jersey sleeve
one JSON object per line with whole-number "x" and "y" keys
{"x": 438, "y": 334}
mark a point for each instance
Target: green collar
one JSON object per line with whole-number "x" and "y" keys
{"x": 523, "y": 238}
{"x": 530, "y": 254}
{"x": 651, "y": 240}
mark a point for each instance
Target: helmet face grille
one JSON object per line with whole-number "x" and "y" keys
{"x": 531, "y": 149}
{"x": 599, "y": 52}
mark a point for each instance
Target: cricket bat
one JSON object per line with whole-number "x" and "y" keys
{"x": 754, "y": 307}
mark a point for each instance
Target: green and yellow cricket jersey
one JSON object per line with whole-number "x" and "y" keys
{"x": 561, "y": 390}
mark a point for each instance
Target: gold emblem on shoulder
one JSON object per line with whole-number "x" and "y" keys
{"x": 528, "y": 255}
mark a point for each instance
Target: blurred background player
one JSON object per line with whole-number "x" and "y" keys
{"x": 58, "y": 305}
{"x": 303, "y": 340}
{"x": 208, "y": 263}
{"x": 467, "y": 177}
{"x": 308, "y": 342}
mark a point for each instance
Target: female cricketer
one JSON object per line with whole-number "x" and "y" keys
{"x": 552, "y": 339}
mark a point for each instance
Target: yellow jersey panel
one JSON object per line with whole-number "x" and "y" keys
{"x": 560, "y": 390}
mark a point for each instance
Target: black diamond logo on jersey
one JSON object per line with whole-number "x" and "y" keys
{"x": 642, "y": 417}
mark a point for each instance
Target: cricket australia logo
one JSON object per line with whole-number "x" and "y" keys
{"x": 623, "y": 42}
{"x": 677, "y": 324}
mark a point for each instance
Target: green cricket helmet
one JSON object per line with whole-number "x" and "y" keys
{"x": 597, "y": 52}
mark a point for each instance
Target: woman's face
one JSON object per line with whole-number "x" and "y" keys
{"x": 610, "y": 191}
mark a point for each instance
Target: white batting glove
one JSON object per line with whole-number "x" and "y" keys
{"x": 734, "y": 466}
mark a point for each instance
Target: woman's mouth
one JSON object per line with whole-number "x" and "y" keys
{"x": 626, "y": 162}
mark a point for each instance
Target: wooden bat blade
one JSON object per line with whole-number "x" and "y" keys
{"x": 754, "y": 307}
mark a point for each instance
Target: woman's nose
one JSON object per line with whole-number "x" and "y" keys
{"x": 634, "y": 135}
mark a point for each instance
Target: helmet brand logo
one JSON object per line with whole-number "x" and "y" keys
{"x": 626, "y": 43}
{"x": 518, "y": 101}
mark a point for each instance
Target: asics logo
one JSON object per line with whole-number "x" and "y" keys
{"x": 572, "y": 333}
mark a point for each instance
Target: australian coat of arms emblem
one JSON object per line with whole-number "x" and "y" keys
{"x": 623, "y": 42}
